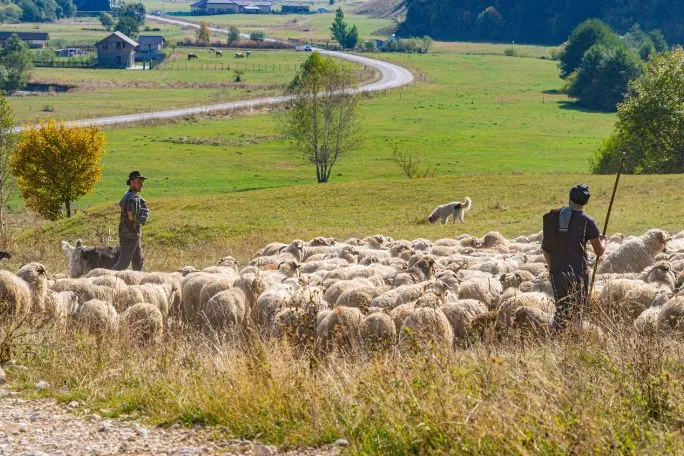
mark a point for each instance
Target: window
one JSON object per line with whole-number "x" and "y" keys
{"x": 118, "y": 44}
{"x": 105, "y": 46}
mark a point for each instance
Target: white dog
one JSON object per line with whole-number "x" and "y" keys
{"x": 455, "y": 209}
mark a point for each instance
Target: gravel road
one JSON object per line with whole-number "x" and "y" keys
{"x": 43, "y": 427}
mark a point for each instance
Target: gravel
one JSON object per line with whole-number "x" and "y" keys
{"x": 43, "y": 427}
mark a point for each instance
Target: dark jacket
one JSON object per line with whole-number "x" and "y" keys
{"x": 568, "y": 249}
{"x": 136, "y": 204}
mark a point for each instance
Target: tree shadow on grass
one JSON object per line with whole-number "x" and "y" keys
{"x": 575, "y": 106}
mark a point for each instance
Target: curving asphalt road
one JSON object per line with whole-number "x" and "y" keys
{"x": 392, "y": 76}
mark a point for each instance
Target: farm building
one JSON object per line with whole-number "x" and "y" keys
{"x": 204, "y": 7}
{"x": 150, "y": 43}
{"x": 116, "y": 51}
{"x": 290, "y": 8}
{"x": 32, "y": 39}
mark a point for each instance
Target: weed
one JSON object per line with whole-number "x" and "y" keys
{"x": 410, "y": 166}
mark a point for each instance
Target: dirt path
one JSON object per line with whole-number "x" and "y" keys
{"x": 392, "y": 76}
{"x": 43, "y": 427}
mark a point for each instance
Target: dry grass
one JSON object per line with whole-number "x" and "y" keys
{"x": 619, "y": 395}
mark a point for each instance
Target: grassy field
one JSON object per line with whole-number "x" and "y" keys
{"x": 174, "y": 84}
{"x": 486, "y": 126}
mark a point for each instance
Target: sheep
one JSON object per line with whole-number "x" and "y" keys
{"x": 85, "y": 290}
{"x": 191, "y": 287}
{"x": 293, "y": 251}
{"x": 174, "y": 281}
{"x": 647, "y": 321}
{"x": 514, "y": 279}
{"x": 160, "y": 296}
{"x": 209, "y": 289}
{"x": 321, "y": 241}
{"x": 144, "y": 323}
{"x": 270, "y": 301}
{"x": 337, "y": 330}
{"x": 225, "y": 310}
{"x": 426, "y": 325}
{"x": 110, "y": 281}
{"x": 486, "y": 290}
{"x": 35, "y": 276}
{"x": 671, "y": 316}
{"x": 60, "y": 306}
{"x": 400, "y": 295}
{"x": 130, "y": 277}
{"x": 635, "y": 255}
{"x": 334, "y": 291}
{"x": 460, "y": 314}
{"x": 421, "y": 271}
{"x": 421, "y": 244}
{"x": 535, "y": 268}
{"x": 15, "y": 295}
{"x": 360, "y": 297}
{"x": 531, "y": 311}
{"x": 377, "y": 331}
{"x": 659, "y": 274}
{"x": 98, "y": 317}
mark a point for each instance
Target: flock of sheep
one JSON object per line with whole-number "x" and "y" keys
{"x": 363, "y": 294}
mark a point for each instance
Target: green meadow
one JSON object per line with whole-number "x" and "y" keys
{"x": 486, "y": 126}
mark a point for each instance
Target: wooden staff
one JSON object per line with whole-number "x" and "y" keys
{"x": 605, "y": 225}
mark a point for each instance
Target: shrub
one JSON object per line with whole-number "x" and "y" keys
{"x": 583, "y": 37}
{"x": 410, "y": 166}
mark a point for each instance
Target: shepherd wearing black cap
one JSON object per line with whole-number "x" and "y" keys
{"x": 566, "y": 232}
{"x": 134, "y": 214}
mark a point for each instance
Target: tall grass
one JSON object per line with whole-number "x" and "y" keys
{"x": 621, "y": 394}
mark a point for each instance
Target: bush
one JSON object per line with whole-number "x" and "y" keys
{"x": 607, "y": 157}
{"x": 513, "y": 52}
{"x": 603, "y": 77}
{"x": 585, "y": 35}
{"x": 410, "y": 166}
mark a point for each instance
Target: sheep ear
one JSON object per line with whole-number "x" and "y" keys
{"x": 79, "y": 243}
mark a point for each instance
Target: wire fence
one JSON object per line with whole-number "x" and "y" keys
{"x": 63, "y": 64}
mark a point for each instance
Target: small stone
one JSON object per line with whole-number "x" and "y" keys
{"x": 23, "y": 427}
{"x": 175, "y": 426}
{"x": 341, "y": 442}
{"x": 105, "y": 411}
{"x": 64, "y": 389}
{"x": 93, "y": 417}
{"x": 265, "y": 450}
{"x": 42, "y": 385}
{"x": 141, "y": 431}
{"x": 34, "y": 453}
{"x": 3, "y": 378}
{"x": 11, "y": 362}
{"x": 34, "y": 416}
{"x": 73, "y": 404}
{"x": 106, "y": 426}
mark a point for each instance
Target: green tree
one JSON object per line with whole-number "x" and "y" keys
{"x": 650, "y": 122}
{"x": 338, "y": 29}
{"x": 584, "y": 36}
{"x": 18, "y": 62}
{"x": 128, "y": 26}
{"x": 8, "y": 141}
{"x": 658, "y": 40}
{"x": 233, "y": 34}
{"x": 602, "y": 80}
{"x": 257, "y": 36}
{"x": 352, "y": 38}
{"x": 134, "y": 10}
{"x": 322, "y": 115}
{"x": 202, "y": 34}
{"x": 10, "y": 13}
{"x": 107, "y": 21}
{"x": 55, "y": 164}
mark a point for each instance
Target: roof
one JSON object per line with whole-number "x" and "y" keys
{"x": 244, "y": 3}
{"x": 120, "y": 36}
{"x": 150, "y": 39}
{"x": 27, "y": 36}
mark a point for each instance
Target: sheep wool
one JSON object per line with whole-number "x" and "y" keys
{"x": 98, "y": 317}
{"x": 144, "y": 323}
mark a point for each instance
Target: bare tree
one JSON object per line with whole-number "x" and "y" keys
{"x": 8, "y": 141}
{"x": 322, "y": 113}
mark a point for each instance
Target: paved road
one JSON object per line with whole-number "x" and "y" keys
{"x": 392, "y": 76}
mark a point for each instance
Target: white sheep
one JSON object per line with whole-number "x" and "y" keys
{"x": 60, "y": 306}
{"x": 671, "y": 316}
{"x": 635, "y": 255}
{"x": 400, "y": 295}
{"x": 225, "y": 310}
{"x": 460, "y": 314}
{"x": 35, "y": 276}
{"x": 486, "y": 290}
{"x": 337, "y": 330}
{"x": 377, "y": 331}
{"x": 532, "y": 312}
{"x": 426, "y": 325}
{"x": 144, "y": 323}
{"x": 98, "y": 317}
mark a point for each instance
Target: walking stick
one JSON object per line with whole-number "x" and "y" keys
{"x": 605, "y": 225}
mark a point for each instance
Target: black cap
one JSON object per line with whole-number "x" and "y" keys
{"x": 134, "y": 175}
{"x": 580, "y": 194}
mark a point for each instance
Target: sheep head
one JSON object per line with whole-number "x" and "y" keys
{"x": 661, "y": 272}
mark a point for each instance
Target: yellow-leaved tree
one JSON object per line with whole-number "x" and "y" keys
{"x": 55, "y": 164}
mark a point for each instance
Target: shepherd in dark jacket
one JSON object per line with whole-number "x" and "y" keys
{"x": 566, "y": 233}
{"x": 134, "y": 214}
